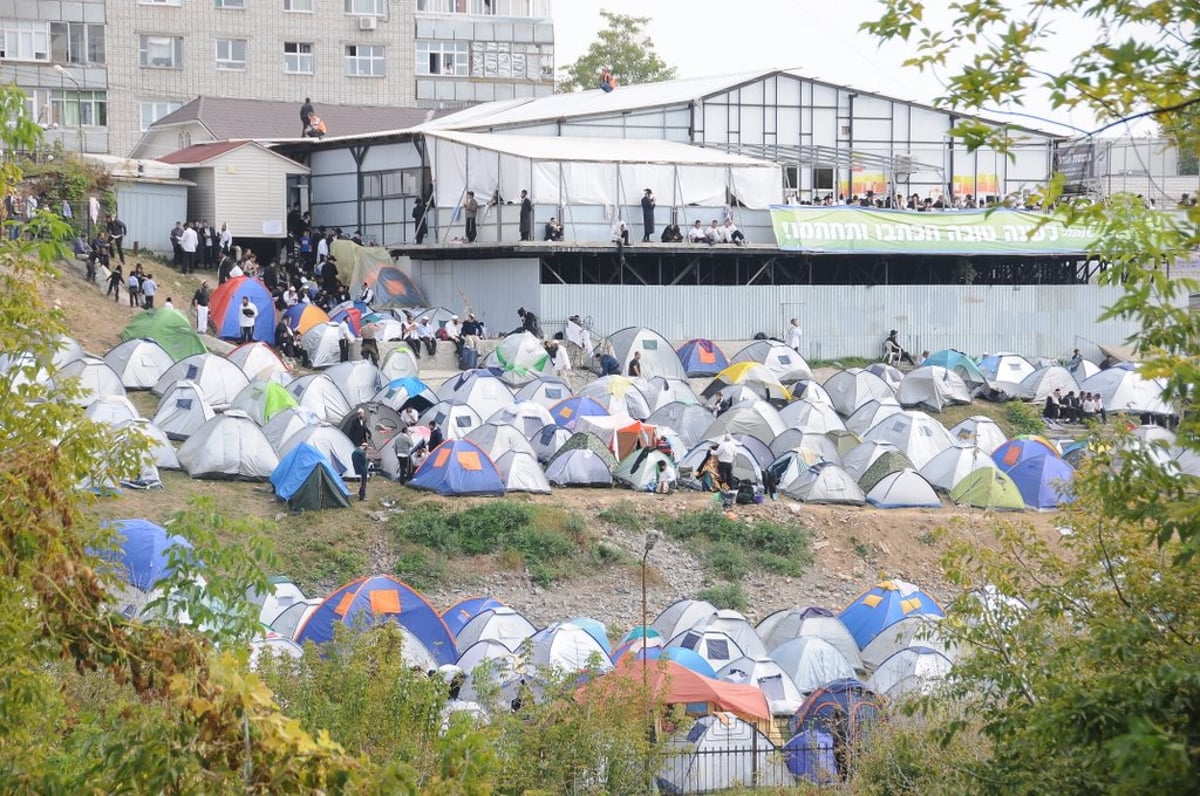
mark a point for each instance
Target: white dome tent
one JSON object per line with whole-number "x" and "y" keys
{"x": 220, "y": 379}
{"x": 182, "y": 410}
{"x": 783, "y": 697}
{"x": 229, "y": 446}
{"x": 139, "y": 362}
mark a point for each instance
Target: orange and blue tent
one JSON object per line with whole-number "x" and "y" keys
{"x": 702, "y": 357}
{"x": 458, "y": 467}
{"x": 380, "y": 598}
{"x": 302, "y": 317}
{"x": 882, "y": 606}
{"x": 463, "y": 611}
{"x": 225, "y": 313}
{"x": 567, "y": 412}
{"x": 1022, "y": 449}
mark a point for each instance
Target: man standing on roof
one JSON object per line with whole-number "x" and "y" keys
{"x": 526, "y": 226}
{"x": 470, "y": 214}
{"x": 306, "y": 110}
{"x": 647, "y": 215}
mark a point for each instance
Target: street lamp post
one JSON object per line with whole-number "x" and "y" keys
{"x": 63, "y": 73}
{"x": 651, "y": 540}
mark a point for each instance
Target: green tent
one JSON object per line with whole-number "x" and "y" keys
{"x": 988, "y": 488}
{"x": 586, "y": 440}
{"x": 888, "y": 462}
{"x": 277, "y": 399}
{"x": 640, "y": 468}
{"x": 169, "y": 328}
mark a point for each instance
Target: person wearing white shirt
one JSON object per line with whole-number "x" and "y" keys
{"x": 731, "y": 234}
{"x": 247, "y": 315}
{"x": 453, "y": 330}
{"x": 367, "y": 295}
{"x": 188, "y": 241}
{"x": 665, "y": 478}
{"x": 322, "y": 248}
{"x": 794, "y": 334}
{"x": 226, "y": 239}
{"x": 713, "y": 233}
{"x": 289, "y": 296}
{"x": 726, "y": 453}
{"x": 561, "y": 361}
{"x": 427, "y": 336}
{"x": 697, "y": 233}
{"x": 345, "y": 338}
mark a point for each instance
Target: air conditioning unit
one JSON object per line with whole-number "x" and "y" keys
{"x": 368, "y": 23}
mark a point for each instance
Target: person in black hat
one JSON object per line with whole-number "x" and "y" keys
{"x": 893, "y": 346}
{"x": 647, "y": 215}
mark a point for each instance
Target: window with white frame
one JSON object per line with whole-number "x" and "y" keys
{"x": 76, "y": 43}
{"x": 501, "y": 59}
{"x": 442, "y": 58}
{"x": 231, "y": 54}
{"x": 24, "y": 40}
{"x": 364, "y": 60}
{"x": 305, "y": 6}
{"x": 79, "y": 108}
{"x": 370, "y": 8}
{"x": 298, "y": 57}
{"x": 161, "y": 52}
{"x": 154, "y": 109}
{"x": 239, "y": 4}
{"x": 37, "y": 106}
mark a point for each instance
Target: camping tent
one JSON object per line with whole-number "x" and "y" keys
{"x": 1038, "y": 386}
{"x": 458, "y": 467}
{"x": 96, "y": 380}
{"x": 262, "y": 400}
{"x": 824, "y": 483}
{"x": 910, "y": 670}
{"x": 259, "y": 361}
{"x": 497, "y": 623}
{"x": 980, "y": 431}
{"x": 481, "y": 389}
{"x": 578, "y": 467}
{"x": 568, "y": 411}
{"x": 463, "y": 611}
{"x": 987, "y": 488}
{"x": 715, "y": 646}
{"x": 932, "y": 387}
{"x": 547, "y": 441}
{"x": 526, "y": 417}
{"x": 883, "y": 605}
{"x": 456, "y": 420}
{"x": 280, "y": 428}
{"x": 319, "y": 394}
{"x": 689, "y": 421}
{"x": 182, "y": 410}
{"x": 700, "y": 357}
{"x": 1128, "y": 391}
{"x": 786, "y": 364}
{"x": 1044, "y": 481}
{"x": 327, "y": 438}
{"x": 305, "y": 480}
{"x": 785, "y": 625}
{"x": 225, "y": 308}
{"x": 889, "y": 460}
{"x": 782, "y": 695}
{"x": 1011, "y": 368}
{"x": 140, "y": 363}
{"x": 142, "y": 550}
{"x": 320, "y": 343}
{"x": 229, "y": 446}
{"x": 752, "y": 375}
{"x": 619, "y": 395}
{"x": 380, "y": 598}
{"x": 544, "y": 391}
{"x": 961, "y": 365}
{"x": 399, "y": 363}
{"x": 521, "y": 357}
{"x": 302, "y": 317}
{"x": 720, "y": 753}
{"x": 495, "y": 440}
{"x": 904, "y": 489}
{"x": 811, "y": 662}
{"x": 758, "y": 419}
{"x": 809, "y": 414}
{"x": 919, "y": 436}
{"x": 521, "y": 472}
{"x": 111, "y": 410}
{"x": 842, "y": 710}
{"x": 568, "y": 648}
{"x": 949, "y": 467}
{"x": 170, "y": 328}
{"x": 849, "y": 389}
{"x": 658, "y": 357}
{"x": 871, "y": 414}
{"x": 220, "y": 379}
{"x": 358, "y": 380}
{"x": 404, "y": 392}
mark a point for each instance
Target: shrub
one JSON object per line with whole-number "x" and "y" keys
{"x": 1023, "y": 418}
{"x": 624, "y": 515}
{"x": 730, "y": 549}
{"x": 727, "y": 561}
{"x": 726, "y": 595}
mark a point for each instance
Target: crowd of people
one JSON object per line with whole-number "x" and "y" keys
{"x": 1072, "y": 408}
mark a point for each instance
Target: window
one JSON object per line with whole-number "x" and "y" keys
{"x": 501, "y": 59}
{"x": 364, "y": 60}
{"x": 25, "y": 40}
{"x": 162, "y": 52}
{"x": 372, "y": 8}
{"x": 37, "y": 106}
{"x": 231, "y": 53}
{"x": 298, "y": 5}
{"x": 79, "y": 108}
{"x": 241, "y": 4}
{"x": 822, "y": 179}
{"x": 153, "y": 110}
{"x": 442, "y": 58}
{"x": 298, "y": 57}
{"x": 380, "y": 184}
{"x": 76, "y": 43}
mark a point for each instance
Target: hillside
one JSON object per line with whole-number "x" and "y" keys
{"x": 852, "y": 547}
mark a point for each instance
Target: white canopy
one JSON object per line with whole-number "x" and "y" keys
{"x": 590, "y": 171}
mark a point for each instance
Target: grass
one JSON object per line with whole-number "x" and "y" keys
{"x": 550, "y": 543}
{"x": 842, "y": 363}
{"x": 725, "y": 596}
{"x": 732, "y": 549}
{"x": 624, "y": 515}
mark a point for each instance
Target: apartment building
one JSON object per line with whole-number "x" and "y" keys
{"x": 56, "y": 52}
{"x": 99, "y": 73}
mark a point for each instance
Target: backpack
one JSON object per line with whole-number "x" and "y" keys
{"x": 745, "y": 493}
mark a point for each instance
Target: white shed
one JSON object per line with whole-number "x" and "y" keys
{"x": 239, "y": 183}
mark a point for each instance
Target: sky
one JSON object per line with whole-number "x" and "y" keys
{"x": 712, "y": 37}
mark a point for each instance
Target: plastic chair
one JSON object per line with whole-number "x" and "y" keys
{"x": 891, "y": 353}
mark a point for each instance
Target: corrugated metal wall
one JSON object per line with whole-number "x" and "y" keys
{"x": 149, "y": 211}
{"x": 493, "y": 288}
{"x": 852, "y": 320}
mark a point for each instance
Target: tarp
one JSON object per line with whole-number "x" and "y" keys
{"x": 850, "y": 230}
{"x": 374, "y": 265}
{"x": 564, "y": 170}
{"x": 677, "y": 685}
{"x": 169, "y": 328}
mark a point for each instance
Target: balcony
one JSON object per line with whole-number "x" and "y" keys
{"x": 523, "y": 9}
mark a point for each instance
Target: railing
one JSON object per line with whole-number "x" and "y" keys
{"x": 535, "y": 9}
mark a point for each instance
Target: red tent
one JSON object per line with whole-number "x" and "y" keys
{"x": 677, "y": 685}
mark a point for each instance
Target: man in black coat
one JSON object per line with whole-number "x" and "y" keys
{"x": 647, "y": 215}
{"x": 306, "y": 110}
{"x": 526, "y": 216}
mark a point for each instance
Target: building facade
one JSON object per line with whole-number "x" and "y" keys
{"x": 102, "y": 72}
{"x": 57, "y": 53}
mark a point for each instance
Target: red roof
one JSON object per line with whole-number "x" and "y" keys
{"x": 202, "y": 152}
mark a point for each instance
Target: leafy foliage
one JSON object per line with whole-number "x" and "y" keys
{"x": 731, "y": 549}
{"x": 1023, "y": 418}
{"x": 624, "y": 48}
{"x": 725, "y": 595}
{"x": 543, "y": 539}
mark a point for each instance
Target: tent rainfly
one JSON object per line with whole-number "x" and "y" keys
{"x": 575, "y": 171}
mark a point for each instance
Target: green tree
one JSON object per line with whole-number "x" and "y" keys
{"x": 622, "y": 47}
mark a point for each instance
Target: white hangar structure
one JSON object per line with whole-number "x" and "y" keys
{"x": 708, "y": 147}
